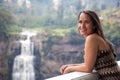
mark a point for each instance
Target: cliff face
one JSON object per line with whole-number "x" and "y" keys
{"x": 3, "y": 43}
{"x": 9, "y": 48}
{"x": 56, "y": 51}
{"x": 3, "y": 52}
{"x": 50, "y": 53}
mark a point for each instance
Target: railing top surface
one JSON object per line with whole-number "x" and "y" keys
{"x": 77, "y": 76}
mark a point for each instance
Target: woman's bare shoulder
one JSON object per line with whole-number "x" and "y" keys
{"x": 91, "y": 40}
{"x": 96, "y": 40}
{"x": 92, "y": 37}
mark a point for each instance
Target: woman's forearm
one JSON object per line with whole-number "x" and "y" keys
{"x": 77, "y": 68}
{"x": 80, "y": 68}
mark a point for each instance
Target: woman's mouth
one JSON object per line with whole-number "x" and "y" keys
{"x": 83, "y": 30}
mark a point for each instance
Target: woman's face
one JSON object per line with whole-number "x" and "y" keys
{"x": 85, "y": 25}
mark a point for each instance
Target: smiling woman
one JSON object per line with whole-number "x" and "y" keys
{"x": 98, "y": 51}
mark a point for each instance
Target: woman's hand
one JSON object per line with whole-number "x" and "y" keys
{"x": 66, "y": 69}
{"x": 63, "y": 68}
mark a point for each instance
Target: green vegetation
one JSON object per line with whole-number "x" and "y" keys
{"x": 61, "y": 22}
{"x": 45, "y": 17}
{"x": 7, "y": 22}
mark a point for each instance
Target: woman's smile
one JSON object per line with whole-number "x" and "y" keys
{"x": 83, "y": 30}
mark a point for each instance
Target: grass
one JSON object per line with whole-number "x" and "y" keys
{"x": 54, "y": 31}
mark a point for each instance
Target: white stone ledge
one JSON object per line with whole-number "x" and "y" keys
{"x": 78, "y": 76}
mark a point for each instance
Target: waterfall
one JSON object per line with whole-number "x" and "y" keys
{"x": 23, "y": 67}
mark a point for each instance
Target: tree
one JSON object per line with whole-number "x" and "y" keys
{"x": 6, "y": 21}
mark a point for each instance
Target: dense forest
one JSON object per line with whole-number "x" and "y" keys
{"x": 49, "y": 14}
{"x": 57, "y": 23}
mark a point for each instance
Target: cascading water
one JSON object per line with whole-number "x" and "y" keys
{"x": 23, "y": 68}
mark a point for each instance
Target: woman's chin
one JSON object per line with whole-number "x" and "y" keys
{"x": 84, "y": 35}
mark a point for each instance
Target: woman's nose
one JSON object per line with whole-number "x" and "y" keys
{"x": 81, "y": 26}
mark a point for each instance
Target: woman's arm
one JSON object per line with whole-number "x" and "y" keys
{"x": 64, "y": 67}
{"x": 91, "y": 48}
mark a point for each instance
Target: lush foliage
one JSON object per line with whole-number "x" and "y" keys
{"x": 56, "y": 20}
{"x": 7, "y": 22}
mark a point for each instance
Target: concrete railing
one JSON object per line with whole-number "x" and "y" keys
{"x": 78, "y": 76}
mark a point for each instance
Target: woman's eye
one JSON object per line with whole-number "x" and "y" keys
{"x": 84, "y": 22}
{"x": 80, "y": 22}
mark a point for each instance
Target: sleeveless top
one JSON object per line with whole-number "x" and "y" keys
{"x": 106, "y": 66}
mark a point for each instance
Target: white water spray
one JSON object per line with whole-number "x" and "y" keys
{"x": 23, "y": 68}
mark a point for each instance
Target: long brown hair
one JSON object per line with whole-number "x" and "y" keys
{"x": 97, "y": 24}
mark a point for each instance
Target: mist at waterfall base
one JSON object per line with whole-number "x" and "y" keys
{"x": 24, "y": 63}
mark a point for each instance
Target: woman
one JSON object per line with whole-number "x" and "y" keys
{"x": 98, "y": 52}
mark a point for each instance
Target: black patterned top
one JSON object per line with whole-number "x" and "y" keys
{"x": 106, "y": 66}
